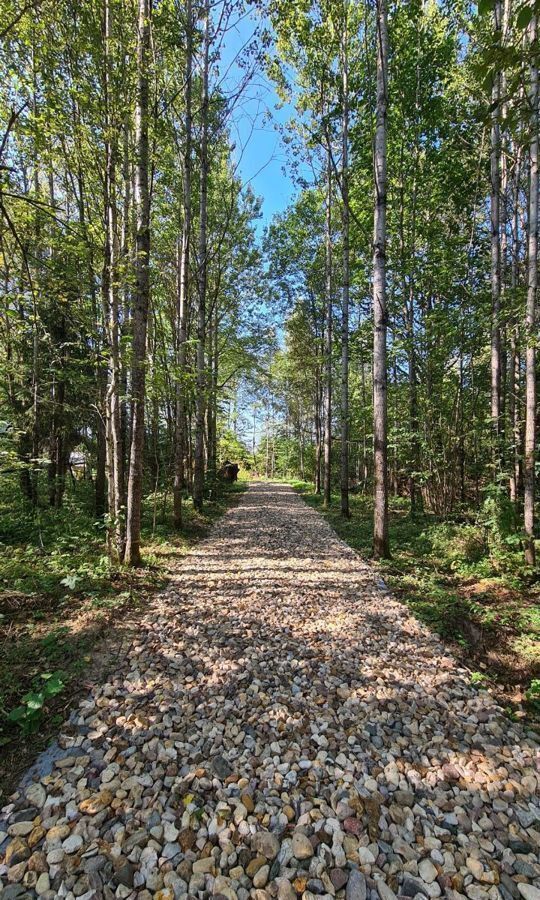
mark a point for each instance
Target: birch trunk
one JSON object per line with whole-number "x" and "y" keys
{"x": 318, "y": 428}
{"x": 113, "y": 427}
{"x": 183, "y": 282}
{"x": 200, "y": 401}
{"x": 530, "y": 317}
{"x": 381, "y": 547}
{"x": 515, "y": 362}
{"x": 142, "y": 289}
{"x": 328, "y": 345}
{"x": 344, "y": 474}
{"x": 495, "y": 220}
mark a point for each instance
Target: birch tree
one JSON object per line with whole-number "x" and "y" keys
{"x": 141, "y": 297}
{"x": 381, "y": 547}
{"x": 530, "y": 313}
{"x": 183, "y": 278}
{"x": 201, "y": 398}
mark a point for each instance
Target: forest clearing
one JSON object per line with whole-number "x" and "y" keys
{"x": 269, "y": 577}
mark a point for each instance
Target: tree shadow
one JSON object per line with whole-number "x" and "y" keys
{"x": 236, "y": 657}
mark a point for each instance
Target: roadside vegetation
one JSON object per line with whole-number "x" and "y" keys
{"x": 64, "y": 603}
{"x": 465, "y": 581}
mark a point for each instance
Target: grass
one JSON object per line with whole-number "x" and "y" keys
{"x": 59, "y": 596}
{"x": 474, "y": 594}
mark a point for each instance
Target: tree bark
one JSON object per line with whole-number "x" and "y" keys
{"x": 495, "y": 220}
{"x": 328, "y": 343}
{"x": 381, "y": 546}
{"x": 113, "y": 430}
{"x": 530, "y": 316}
{"x": 515, "y": 362}
{"x": 344, "y": 473}
{"x": 200, "y": 400}
{"x": 317, "y": 427}
{"x": 142, "y": 288}
{"x": 183, "y": 281}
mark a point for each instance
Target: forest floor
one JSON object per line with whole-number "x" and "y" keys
{"x": 65, "y": 611}
{"x": 279, "y": 725}
{"x": 475, "y": 597}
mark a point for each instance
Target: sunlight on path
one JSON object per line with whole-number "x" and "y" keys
{"x": 280, "y": 727}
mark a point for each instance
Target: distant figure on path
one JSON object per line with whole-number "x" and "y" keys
{"x": 229, "y": 471}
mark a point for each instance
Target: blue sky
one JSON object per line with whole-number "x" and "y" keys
{"x": 259, "y": 152}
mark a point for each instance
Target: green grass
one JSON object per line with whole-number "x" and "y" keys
{"x": 455, "y": 582}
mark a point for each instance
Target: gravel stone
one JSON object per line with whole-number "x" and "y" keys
{"x": 275, "y": 721}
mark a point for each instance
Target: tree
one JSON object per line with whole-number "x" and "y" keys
{"x": 381, "y": 547}
{"x": 344, "y": 62}
{"x": 142, "y": 287}
{"x": 183, "y": 278}
{"x": 530, "y": 314}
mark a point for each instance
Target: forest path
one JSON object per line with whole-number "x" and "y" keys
{"x": 281, "y": 726}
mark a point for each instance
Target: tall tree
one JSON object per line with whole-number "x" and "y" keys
{"x": 201, "y": 397}
{"x": 495, "y": 215}
{"x": 328, "y": 340}
{"x": 381, "y": 544}
{"x": 530, "y": 314}
{"x": 183, "y": 278}
{"x": 141, "y": 297}
{"x": 110, "y": 299}
{"x": 344, "y": 61}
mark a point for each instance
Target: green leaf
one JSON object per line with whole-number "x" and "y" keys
{"x": 53, "y": 685}
{"x": 524, "y": 17}
{"x": 34, "y": 700}
{"x": 70, "y": 581}
{"x": 18, "y": 714}
{"x": 485, "y": 6}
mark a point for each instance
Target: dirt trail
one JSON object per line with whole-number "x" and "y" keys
{"x": 280, "y": 727}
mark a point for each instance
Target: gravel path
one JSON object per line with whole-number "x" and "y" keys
{"x": 280, "y": 727}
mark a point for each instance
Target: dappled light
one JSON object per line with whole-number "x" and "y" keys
{"x": 278, "y": 718}
{"x": 269, "y": 532}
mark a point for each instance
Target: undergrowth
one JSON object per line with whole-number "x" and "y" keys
{"x": 59, "y": 591}
{"x": 460, "y": 580}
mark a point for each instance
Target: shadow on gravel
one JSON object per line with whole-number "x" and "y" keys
{"x": 236, "y": 668}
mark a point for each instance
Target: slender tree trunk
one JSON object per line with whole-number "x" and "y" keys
{"x": 344, "y": 474}
{"x": 495, "y": 217}
{"x": 381, "y": 546}
{"x": 127, "y": 238}
{"x": 318, "y": 428}
{"x": 113, "y": 431}
{"x": 101, "y": 464}
{"x": 514, "y": 416}
{"x": 365, "y": 466}
{"x": 142, "y": 288}
{"x": 462, "y": 484}
{"x": 530, "y": 317}
{"x": 328, "y": 344}
{"x": 212, "y": 400}
{"x": 200, "y": 402}
{"x": 183, "y": 281}
{"x": 36, "y": 368}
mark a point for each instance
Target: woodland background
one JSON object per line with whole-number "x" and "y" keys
{"x": 149, "y": 331}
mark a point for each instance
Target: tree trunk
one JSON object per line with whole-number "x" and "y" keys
{"x": 530, "y": 317}
{"x": 495, "y": 218}
{"x": 514, "y": 411}
{"x": 200, "y": 400}
{"x": 318, "y": 428}
{"x": 183, "y": 282}
{"x": 212, "y": 400}
{"x": 113, "y": 430}
{"x": 381, "y": 547}
{"x": 328, "y": 344}
{"x": 344, "y": 474}
{"x": 142, "y": 288}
